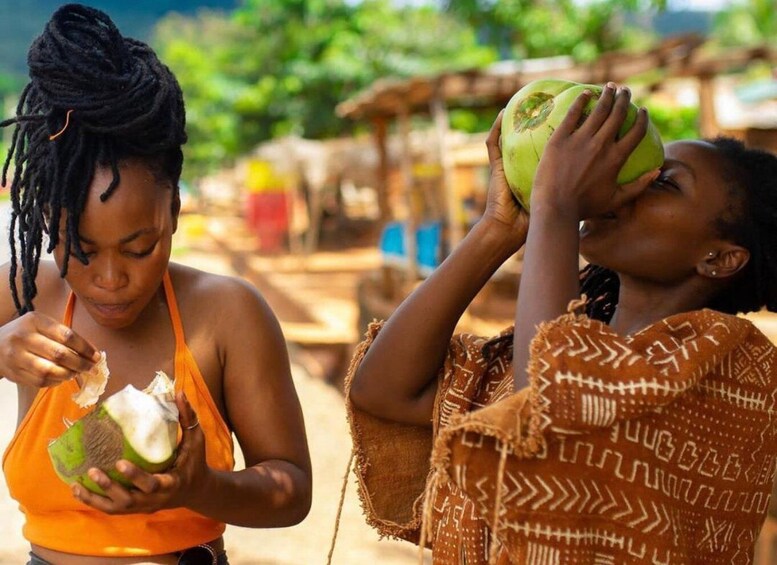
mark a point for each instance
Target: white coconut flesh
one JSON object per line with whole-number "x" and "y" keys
{"x": 141, "y": 426}
{"x": 146, "y": 421}
{"x": 92, "y": 382}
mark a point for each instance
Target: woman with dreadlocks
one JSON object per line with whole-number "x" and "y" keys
{"x": 629, "y": 415}
{"x": 97, "y": 157}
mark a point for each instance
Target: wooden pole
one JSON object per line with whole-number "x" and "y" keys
{"x": 380, "y": 135}
{"x": 406, "y": 167}
{"x": 708, "y": 123}
{"x": 452, "y": 209}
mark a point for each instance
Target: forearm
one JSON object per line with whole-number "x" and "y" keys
{"x": 407, "y": 354}
{"x": 272, "y": 494}
{"x": 549, "y": 280}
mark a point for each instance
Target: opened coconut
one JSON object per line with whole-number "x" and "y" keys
{"x": 534, "y": 113}
{"x": 139, "y": 426}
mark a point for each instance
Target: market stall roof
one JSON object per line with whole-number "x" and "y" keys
{"x": 678, "y": 56}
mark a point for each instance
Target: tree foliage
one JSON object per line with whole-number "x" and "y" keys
{"x": 275, "y": 68}
{"x": 543, "y": 28}
{"x": 747, "y": 22}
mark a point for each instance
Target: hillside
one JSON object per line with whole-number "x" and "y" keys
{"x": 22, "y": 20}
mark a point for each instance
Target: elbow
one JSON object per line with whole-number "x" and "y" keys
{"x": 290, "y": 499}
{"x": 304, "y": 499}
{"x": 358, "y": 391}
{"x": 299, "y": 507}
{"x": 366, "y": 395}
{"x": 296, "y": 512}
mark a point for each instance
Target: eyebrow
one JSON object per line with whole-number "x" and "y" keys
{"x": 127, "y": 239}
{"x": 676, "y": 163}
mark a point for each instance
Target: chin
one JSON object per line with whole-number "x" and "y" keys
{"x": 589, "y": 254}
{"x": 113, "y": 320}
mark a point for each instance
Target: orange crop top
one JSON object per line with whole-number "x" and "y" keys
{"x": 56, "y": 520}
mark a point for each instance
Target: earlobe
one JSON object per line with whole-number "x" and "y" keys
{"x": 724, "y": 262}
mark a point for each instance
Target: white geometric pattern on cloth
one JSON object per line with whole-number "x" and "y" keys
{"x": 653, "y": 448}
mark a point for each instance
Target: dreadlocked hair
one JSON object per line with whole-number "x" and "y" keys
{"x": 94, "y": 99}
{"x": 600, "y": 286}
{"x": 751, "y": 221}
{"x": 751, "y": 175}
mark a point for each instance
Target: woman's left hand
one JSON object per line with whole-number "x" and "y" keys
{"x": 502, "y": 209}
{"x": 175, "y": 488}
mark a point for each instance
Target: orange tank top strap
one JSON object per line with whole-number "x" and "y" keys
{"x": 188, "y": 378}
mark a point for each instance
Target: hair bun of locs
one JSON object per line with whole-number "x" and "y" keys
{"x": 114, "y": 85}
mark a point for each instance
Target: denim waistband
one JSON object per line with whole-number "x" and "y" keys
{"x": 35, "y": 560}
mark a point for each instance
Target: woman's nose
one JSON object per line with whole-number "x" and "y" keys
{"x": 109, "y": 274}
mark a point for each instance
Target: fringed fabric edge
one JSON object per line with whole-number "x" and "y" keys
{"x": 385, "y": 528}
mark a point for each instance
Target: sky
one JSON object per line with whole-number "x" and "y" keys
{"x": 699, "y": 4}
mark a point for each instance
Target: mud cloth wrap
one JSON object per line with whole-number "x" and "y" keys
{"x": 658, "y": 447}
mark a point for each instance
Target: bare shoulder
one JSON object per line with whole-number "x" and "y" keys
{"x": 52, "y": 290}
{"x": 226, "y": 303}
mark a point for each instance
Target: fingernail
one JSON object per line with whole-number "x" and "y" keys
{"x": 96, "y": 356}
{"x": 122, "y": 467}
{"x": 97, "y": 477}
{"x": 610, "y": 86}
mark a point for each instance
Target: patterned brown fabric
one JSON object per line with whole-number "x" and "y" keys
{"x": 657, "y": 447}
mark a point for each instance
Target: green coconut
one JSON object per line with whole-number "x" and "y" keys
{"x": 139, "y": 426}
{"x": 534, "y": 113}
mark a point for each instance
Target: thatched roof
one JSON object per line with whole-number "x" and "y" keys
{"x": 493, "y": 86}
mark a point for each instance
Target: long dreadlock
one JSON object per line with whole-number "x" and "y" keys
{"x": 751, "y": 175}
{"x": 94, "y": 98}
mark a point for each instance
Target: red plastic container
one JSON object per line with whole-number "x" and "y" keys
{"x": 267, "y": 216}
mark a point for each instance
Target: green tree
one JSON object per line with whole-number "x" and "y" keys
{"x": 275, "y": 68}
{"x": 543, "y": 28}
{"x": 196, "y": 49}
{"x": 747, "y": 22}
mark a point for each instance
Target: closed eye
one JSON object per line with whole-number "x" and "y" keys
{"x": 665, "y": 181}
{"x": 141, "y": 254}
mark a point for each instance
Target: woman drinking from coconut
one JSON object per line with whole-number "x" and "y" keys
{"x": 97, "y": 155}
{"x": 629, "y": 416}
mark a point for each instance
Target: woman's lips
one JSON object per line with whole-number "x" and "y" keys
{"x": 111, "y": 310}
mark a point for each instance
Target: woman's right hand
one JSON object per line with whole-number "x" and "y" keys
{"x": 38, "y": 351}
{"x": 577, "y": 174}
{"x": 502, "y": 209}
